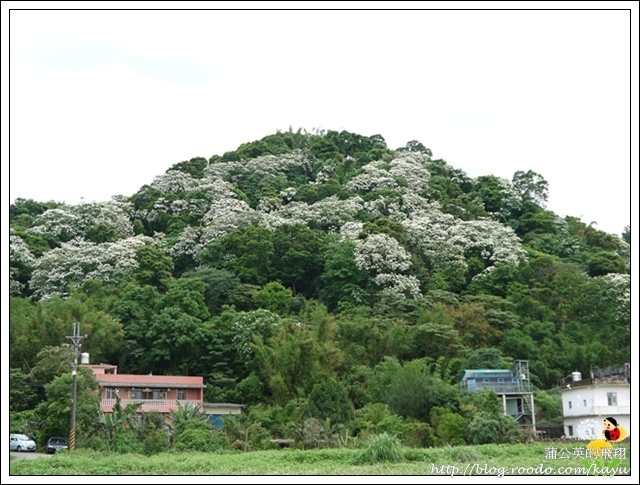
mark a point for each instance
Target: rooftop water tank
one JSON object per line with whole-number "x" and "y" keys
{"x": 576, "y": 376}
{"x": 84, "y": 358}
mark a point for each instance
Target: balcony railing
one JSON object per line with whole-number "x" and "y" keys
{"x": 146, "y": 403}
{"x": 499, "y": 387}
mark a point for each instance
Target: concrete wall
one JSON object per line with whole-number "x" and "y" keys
{"x": 593, "y": 401}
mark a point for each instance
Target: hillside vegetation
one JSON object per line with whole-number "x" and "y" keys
{"x": 319, "y": 275}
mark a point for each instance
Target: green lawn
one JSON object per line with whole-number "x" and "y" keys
{"x": 494, "y": 460}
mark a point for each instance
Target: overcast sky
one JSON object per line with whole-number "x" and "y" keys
{"x": 103, "y": 101}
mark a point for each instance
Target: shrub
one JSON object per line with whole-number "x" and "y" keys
{"x": 376, "y": 418}
{"x": 93, "y": 442}
{"x": 417, "y": 434}
{"x": 156, "y": 441}
{"x": 329, "y": 400}
{"x": 126, "y": 442}
{"x": 487, "y": 428}
{"x": 195, "y": 439}
{"x": 241, "y": 434}
{"x": 449, "y": 427}
{"x": 379, "y": 449}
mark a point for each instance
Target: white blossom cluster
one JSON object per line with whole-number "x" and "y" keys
{"x": 159, "y": 206}
{"x": 495, "y": 242}
{"x": 195, "y": 239}
{"x": 413, "y": 204}
{"x": 428, "y": 224}
{"x": 199, "y": 195}
{"x": 60, "y": 222}
{"x": 406, "y": 172}
{"x": 324, "y": 175}
{"x": 447, "y": 241}
{"x": 374, "y": 177}
{"x": 223, "y": 213}
{"x": 272, "y": 220}
{"x": 69, "y": 222}
{"x": 174, "y": 182}
{"x": 511, "y": 199}
{"x": 189, "y": 243}
{"x": 384, "y": 206}
{"x": 458, "y": 176}
{"x": 288, "y": 194}
{"x": 181, "y": 206}
{"x": 227, "y": 214}
{"x": 617, "y": 286}
{"x": 112, "y": 214}
{"x": 224, "y": 208}
{"x": 227, "y": 221}
{"x": 269, "y": 204}
{"x": 384, "y": 259}
{"x": 246, "y": 325}
{"x": 570, "y": 244}
{"x": 330, "y": 213}
{"x": 429, "y": 232}
{"x": 380, "y": 253}
{"x": 351, "y": 230}
{"x": 20, "y": 257}
{"x": 266, "y": 166}
{"x": 407, "y": 286}
{"x": 78, "y": 261}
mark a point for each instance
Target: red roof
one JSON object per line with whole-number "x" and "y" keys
{"x": 138, "y": 380}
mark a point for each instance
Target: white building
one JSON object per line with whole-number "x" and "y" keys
{"x": 606, "y": 393}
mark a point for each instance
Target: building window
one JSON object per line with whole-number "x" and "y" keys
{"x": 612, "y": 398}
{"x": 584, "y": 401}
{"x": 570, "y": 430}
{"x": 182, "y": 394}
{"x": 569, "y": 404}
{"x": 155, "y": 394}
{"x": 110, "y": 392}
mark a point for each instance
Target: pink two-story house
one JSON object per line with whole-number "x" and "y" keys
{"x": 156, "y": 393}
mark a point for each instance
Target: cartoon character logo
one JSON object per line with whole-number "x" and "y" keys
{"x": 613, "y": 432}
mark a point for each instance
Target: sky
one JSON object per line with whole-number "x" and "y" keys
{"x": 102, "y": 101}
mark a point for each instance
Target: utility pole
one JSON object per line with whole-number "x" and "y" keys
{"x": 75, "y": 343}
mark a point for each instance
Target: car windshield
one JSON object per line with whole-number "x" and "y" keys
{"x": 22, "y": 437}
{"x": 57, "y": 441}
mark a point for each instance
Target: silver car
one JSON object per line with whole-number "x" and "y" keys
{"x": 21, "y": 442}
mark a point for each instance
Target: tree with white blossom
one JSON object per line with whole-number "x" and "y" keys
{"x": 21, "y": 263}
{"x": 385, "y": 260}
{"x": 100, "y": 222}
{"x": 406, "y": 172}
{"x": 74, "y": 262}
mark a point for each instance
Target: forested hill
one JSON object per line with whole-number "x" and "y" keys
{"x": 301, "y": 258}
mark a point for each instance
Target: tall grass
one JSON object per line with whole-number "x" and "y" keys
{"x": 381, "y": 456}
{"x": 381, "y": 448}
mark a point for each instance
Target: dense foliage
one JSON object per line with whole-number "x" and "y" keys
{"x": 317, "y": 276}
